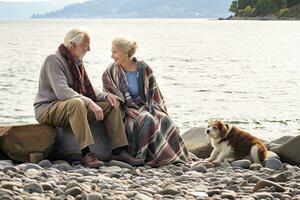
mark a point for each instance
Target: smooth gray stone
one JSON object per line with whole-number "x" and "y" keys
{"x": 66, "y": 148}
{"x": 11, "y": 168}
{"x": 288, "y": 151}
{"x": 213, "y": 192}
{"x": 264, "y": 195}
{"x": 6, "y": 192}
{"x": 45, "y": 164}
{"x": 56, "y": 198}
{"x": 140, "y": 196}
{"x": 33, "y": 187}
{"x": 277, "y": 195}
{"x": 47, "y": 186}
{"x": 130, "y": 194}
{"x": 119, "y": 163}
{"x": 243, "y": 183}
{"x": 170, "y": 190}
{"x": 178, "y": 173}
{"x": 45, "y": 175}
{"x": 115, "y": 175}
{"x": 255, "y": 166}
{"x": 10, "y": 185}
{"x": 282, "y": 139}
{"x": 32, "y": 173}
{"x": 58, "y": 192}
{"x": 71, "y": 184}
{"x": 5, "y": 197}
{"x": 63, "y": 167}
{"x": 92, "y": 196}
{"x": 26, "y": 166}
{"x": 228, "y": 196}
{"x": 112, "y": 169}
{"x": 83, "y": 172}
{"x": 253, "y": 179}
{"x": 199, "y": 195}
{"x": 225, "y": 165}
{"x": 282, "y": 177}
{"x": 20, "y": 198}
{"x": 241, "y": 163}
{"x": 6, "y": 163}
{"x": 273, "y": 163}
{"x": 199, "y": 168}
{"x": 272, "y": 154}
{"x": 185, "y": 168}
{"x": 197, "y": 142}
{"x": 264, "y": 183}
{"x": 233, "y": 188}
{"x": 74, "y": 191}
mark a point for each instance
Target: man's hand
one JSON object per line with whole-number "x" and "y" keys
{"x": 113, "y": 100}
{"x": 97, "y": 110}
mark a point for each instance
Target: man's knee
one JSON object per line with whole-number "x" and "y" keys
{"x": 106, "y": 106}
{"x": 76, "y": 103}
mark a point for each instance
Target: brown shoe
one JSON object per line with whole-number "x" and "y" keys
{"x": 91, "y": 161}
{"x": 124, "y": 156}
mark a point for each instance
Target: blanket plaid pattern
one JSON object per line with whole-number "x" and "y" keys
{"x": 152, "y": 135}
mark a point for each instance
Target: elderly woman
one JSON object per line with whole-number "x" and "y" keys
{"x": 151, "y": 133}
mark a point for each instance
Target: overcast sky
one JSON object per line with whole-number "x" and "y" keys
{"x": 23, "y": 0}
{"x": 39, "y": 0}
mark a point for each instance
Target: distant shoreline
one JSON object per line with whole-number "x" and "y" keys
{"x": 261, "y": 18}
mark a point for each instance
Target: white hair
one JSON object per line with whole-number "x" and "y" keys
{"x": 125, "y": 45}
{"x": 76, "y": 35}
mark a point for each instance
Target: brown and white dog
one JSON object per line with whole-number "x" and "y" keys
{"x": 231, "y": 143}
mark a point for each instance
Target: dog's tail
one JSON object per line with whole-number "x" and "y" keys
{"x": 258, "y": 153}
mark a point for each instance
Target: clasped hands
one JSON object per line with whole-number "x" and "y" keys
{"x": 97, "y": 110}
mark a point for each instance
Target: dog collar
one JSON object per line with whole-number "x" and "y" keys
{"x": 224, "y": 139}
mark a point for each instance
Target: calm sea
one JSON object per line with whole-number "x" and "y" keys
{"x": 244, "y": 72}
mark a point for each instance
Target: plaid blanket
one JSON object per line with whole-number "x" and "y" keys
{"x": 152, "y": 135}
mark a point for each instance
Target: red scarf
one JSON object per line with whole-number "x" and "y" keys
{"x": 81, "y": 81}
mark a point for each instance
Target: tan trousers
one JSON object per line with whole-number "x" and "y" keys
{"x": 74, "y": 113}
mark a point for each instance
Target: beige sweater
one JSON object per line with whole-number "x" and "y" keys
{"x": 55, "y": 84}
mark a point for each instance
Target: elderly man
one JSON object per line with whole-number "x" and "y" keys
{"x": 66, "y": 97}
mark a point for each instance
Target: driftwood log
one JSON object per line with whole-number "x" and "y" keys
{"x": 24, "y": 143}
{"x": 34, "y": 142}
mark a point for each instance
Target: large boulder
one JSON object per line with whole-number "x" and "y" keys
{"x": 282, "y": 139}
{"x": 197, "y": 142}
{"x": 279, "y": 141}
{"x": 66, "y": 147}
{"x": 288, "y": 151}
{"x": 21, "y": 142}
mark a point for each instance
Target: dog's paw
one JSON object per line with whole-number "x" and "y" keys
{"x": 228, "y": 160}
{"x": 217, "y": 162}
{"x": 208, "y": 159}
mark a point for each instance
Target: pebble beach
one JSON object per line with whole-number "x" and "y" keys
{"x": 117, "y": 180}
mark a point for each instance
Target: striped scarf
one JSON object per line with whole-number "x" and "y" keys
{"x": 81, "y": 81}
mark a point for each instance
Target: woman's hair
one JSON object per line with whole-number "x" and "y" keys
{"x": 76, "y": 35}
{"x": 125, "y": 45}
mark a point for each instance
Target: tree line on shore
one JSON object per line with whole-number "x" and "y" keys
{"x": 256, "y": 8}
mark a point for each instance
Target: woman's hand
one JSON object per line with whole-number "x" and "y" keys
{"x": 113, "y": 100}
{"x": 132, "y": 113}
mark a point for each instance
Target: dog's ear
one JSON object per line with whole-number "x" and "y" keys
{"x": 223, "y": 130}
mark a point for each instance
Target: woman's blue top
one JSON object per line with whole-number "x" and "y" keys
{"x": 132, "y": 84}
